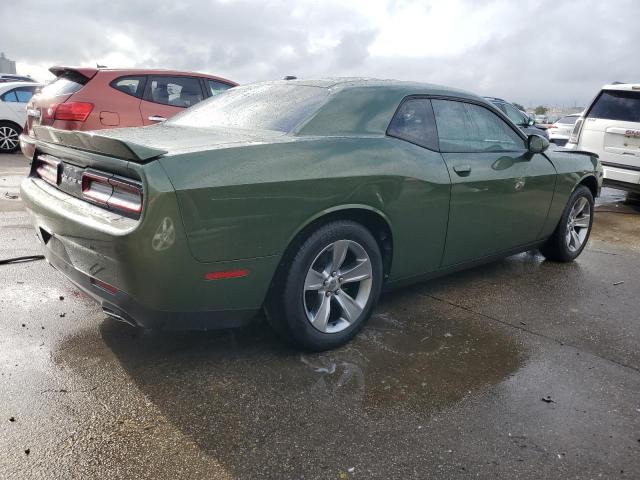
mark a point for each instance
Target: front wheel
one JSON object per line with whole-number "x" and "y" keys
{"x": 329, "y": 289}
{"x": 9, "y": 137}
{"x": 572, "y": 233}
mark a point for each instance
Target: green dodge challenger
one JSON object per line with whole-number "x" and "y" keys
{"x": 306, "y": 198}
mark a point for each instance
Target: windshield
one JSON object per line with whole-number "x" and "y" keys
{"x": 262, "y": 107}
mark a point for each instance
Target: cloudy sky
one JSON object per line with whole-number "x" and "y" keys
{"x": 532, "y": 52}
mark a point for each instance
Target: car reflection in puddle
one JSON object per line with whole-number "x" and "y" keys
{"x": 249, "y": 400}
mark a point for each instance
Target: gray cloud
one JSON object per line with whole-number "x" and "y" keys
{"x": 552, "y": 51}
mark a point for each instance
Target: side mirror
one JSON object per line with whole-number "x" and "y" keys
{"x": 531, "y": 122}
{"x": 537, "y": 143}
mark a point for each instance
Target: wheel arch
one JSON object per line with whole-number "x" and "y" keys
{"x": 591, "y": 183}
{"x": 371, "y": 218}
{"x": 12, "y": 123}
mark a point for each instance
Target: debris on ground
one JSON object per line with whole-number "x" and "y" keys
{"x": 62, "y": 315}
{"x": 61, "y": 297}
{"x": 12, "y": 419}
{"x": 27, "y": 451}
{"x": 10, "y": 196}
{"x": 548, "y": 399}
{"x": 618, "y": 283}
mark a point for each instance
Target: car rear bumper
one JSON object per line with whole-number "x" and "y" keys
{"x": 153, "y": 286}
{"x": 621, "y": 177}
{"x": 125, "y": 308}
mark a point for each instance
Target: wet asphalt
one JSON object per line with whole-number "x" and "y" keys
{"x": 519, "y": 369}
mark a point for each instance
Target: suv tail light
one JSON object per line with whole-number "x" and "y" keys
{"x": 575, "y": 133}
{"x": 115, "y": 193}
{"x": 75, "y": 111}
{"x": 78, "y": 111}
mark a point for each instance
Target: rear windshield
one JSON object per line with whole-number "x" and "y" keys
{"x": 569, "y": 120}
{"x": 65, "y": 84}
{"x": 263, "y": 107}
{"x": 617, "y": 105}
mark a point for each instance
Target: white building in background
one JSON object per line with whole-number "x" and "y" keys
{"x": 6, "y": 65}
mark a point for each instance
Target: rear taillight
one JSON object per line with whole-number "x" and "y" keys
{"x": 116, "y": 193}
{"x": 47, "y": 168}
{"x": 75, "y": 111}
{"x": 575, "y": 133}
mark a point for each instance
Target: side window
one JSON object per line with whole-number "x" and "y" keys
{"x": 24, "y": 94}
{"x": 465, "y": 127}
{"x": 514, "y": 115}
{"x": 174, "y": 91}
{"x": 9, "y": 96}
{"x": 414, "y": 123}
{"x": 217, "y": 87}
{"x": 130, "y": 85}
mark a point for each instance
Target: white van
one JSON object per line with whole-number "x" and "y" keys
{"x": 610, "y": 127}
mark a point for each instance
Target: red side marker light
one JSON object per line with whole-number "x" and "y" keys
{"x": 226, "y": 274}
{"x": 110, "y": 289}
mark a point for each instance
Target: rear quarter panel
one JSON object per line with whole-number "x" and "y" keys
{"x": 251, "y": 201}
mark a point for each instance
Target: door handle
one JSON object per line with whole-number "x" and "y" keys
{"x": 157, "y": 118}
{"x": 462, "y": 170}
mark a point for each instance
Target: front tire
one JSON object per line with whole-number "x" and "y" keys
{"x": 329, "y": 289}
{"x": 9, "y": 137}
{"x": 572, "y": 233}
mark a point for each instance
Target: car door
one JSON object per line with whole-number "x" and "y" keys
{"x": 167, "y": 95}
{"x": 500, "y": 192}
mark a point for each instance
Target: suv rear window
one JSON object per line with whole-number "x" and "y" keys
{"x": 65, "y": 84}
{"x": 619, "y": 105}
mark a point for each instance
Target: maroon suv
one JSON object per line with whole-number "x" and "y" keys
{"x": 95, "y": 98}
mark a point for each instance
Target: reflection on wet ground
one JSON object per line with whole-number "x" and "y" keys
{"x": 445, "y": 381}
{"x": 611, "y": 207}
{"x": 252, "y": 403}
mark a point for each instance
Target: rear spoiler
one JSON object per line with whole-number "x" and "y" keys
{"x": 94, "y": 142}
{"x": 87, "y": 72}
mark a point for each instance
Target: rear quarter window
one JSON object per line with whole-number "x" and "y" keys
{"x": 415, "y": 123}
{"x": 131, "y": 85}
{"x": 618, "y": 105}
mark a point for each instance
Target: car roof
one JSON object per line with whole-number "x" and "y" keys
{"x": 9, "y": 85}
{"x": 622, "y": 86}
{"x": 356, "y": 105}
{"x": 89, "y": 72}
{"x": 408, "y": 87}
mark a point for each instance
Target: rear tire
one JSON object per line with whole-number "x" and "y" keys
{"x": 9, "y": 137}
{"x": 572, "y": 233}
{"x": 327, "y": 288}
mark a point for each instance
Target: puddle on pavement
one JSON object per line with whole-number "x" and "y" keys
{"x": 243, "y": 396}
{"x": 617, "y": 219}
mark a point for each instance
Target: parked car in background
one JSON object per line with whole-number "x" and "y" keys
{"x": 521, "y": 119}
{"x": 10, "y": 77}
{"x": 541, "y": 119}
{"x": 13, "y": 112}
{"x": 96, "y": 98}
{"x": 610, "y": 127}
{"x": 306, "y": 197}
{"x": 560, "y": 131}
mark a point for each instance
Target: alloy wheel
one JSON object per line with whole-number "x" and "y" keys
{"x": 578, "y": 224}
{"x": 9, "y": 138}
{"x": 337, "y": 286}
